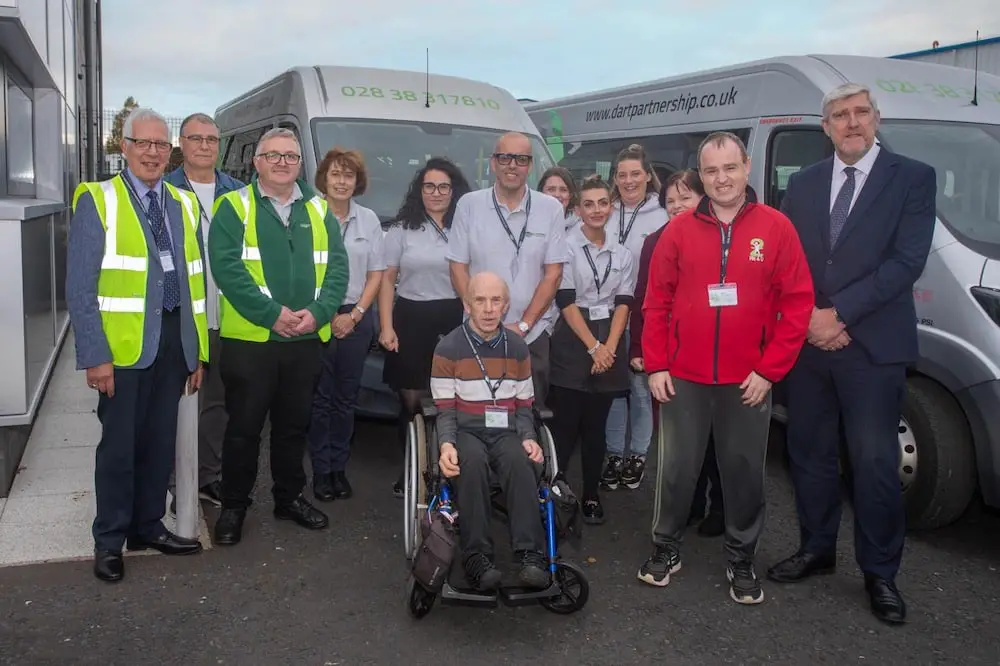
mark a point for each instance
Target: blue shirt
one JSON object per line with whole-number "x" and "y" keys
{"x": 141, "y": 190}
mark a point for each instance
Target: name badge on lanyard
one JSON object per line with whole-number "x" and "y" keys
{"x": 519, "y": 241}
{"x": 723, "y": 295}
{"x": 167, "y": 261}
{"x": 496, "y": 417}
{"x": 598, "y": 312}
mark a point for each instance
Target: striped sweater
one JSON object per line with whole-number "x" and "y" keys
{"x": 461, "y": 393}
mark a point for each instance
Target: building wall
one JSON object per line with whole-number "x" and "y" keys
{"x": 989, "y": 57}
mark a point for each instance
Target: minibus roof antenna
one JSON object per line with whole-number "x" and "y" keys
{"x": 427, "y": 85}
{"x": 975, "y": 81}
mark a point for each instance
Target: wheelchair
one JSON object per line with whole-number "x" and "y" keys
{"x": 424, "y": 490}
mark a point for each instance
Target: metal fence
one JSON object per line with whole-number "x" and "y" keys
{"x": 112, "y": 162}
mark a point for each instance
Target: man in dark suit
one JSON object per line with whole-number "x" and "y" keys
{"x": 866, "y": 219}
{"x": 135, "y": 287}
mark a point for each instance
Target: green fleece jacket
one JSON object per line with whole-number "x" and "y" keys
{"x": 287, "y": 257}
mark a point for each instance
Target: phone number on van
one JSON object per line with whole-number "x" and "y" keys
{"x": 410, "y": 96}
{"x": 896, "y": 86}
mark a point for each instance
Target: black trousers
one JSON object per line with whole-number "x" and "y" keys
{"x": 580, "y": 415}
{"x": 135, "y": 456}
{"x": 479, "y": 451}
{"x": 709, "y": 485}
{"x": 823, "y": 389}
{"x": 267, "y": 378}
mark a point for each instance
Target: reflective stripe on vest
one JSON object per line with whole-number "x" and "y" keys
{"x": 231, "y": 323}
{"x": 122, "y": 283}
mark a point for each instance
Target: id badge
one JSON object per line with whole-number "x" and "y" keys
{"x": 722, "y": 295}
{"x": 599, "y": 312}
{"x": 496, "y": 417}
{"x": 167, "y": 261}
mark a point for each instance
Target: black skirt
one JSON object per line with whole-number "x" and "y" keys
{"x": 570, "y": 363}
{"x": 419, "y": 325}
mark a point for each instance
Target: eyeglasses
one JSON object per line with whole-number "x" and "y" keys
{"x": 440, "y": 188}
{"x": 274, "y": 158}
{"x": 146, "y": 144}
{"x": 197, "y": 138}
{"x": 505, "y": 159}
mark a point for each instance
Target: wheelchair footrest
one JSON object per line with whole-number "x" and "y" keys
{"x": 457, "y": 597}
{"x": 524, "y": 596}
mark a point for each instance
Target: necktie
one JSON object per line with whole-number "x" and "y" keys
{"x": 842, "y": 206}
{"x": 171, "y": 288}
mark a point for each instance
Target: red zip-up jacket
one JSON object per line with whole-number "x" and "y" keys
{"x": 762, "y": 333}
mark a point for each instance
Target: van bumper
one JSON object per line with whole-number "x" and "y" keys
{"x": 982, "y": 405}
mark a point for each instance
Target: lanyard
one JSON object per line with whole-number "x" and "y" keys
{"x": 439, "y": 230}
{"x": 726, "y": 231}
{"x": 607, "y": 271}
{"x": 624, "y": 231}
{"x": 482, "y": 368}
{"x": 527, "y": 213}
{"x": 201, "y": 209}
{"x": 343, "y": 232}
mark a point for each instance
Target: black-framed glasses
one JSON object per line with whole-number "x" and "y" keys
{"x": 197, "y": 138}
{"x": 505, "y": 159}
{"x": 146, "y": 144}
{"x": 440, "y": 188}
{"x": 274, "y": 158}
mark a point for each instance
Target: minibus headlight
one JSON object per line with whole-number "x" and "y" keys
{"x": 989, "y": 300}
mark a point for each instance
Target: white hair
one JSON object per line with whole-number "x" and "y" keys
{"x": 275, "y": 133}
{"x": 843, "y": 92}
{"x": 140, "y": 113}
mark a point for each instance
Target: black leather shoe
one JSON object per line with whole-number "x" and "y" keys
{"x": 167, "y": 543}
{"x": 229, "y": 527}
{"x": 323, "y": 488}
{"x": 303, "y": 513}
{"x": 108, "y": 566}
{"x": 886, "y": 601}
{"x": 800, "y": 566}
{"x": 341, "y": 486}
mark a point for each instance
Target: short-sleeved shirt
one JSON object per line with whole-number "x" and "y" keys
{"x": 651, "y": 216}
{"x": 478, "y": 238}
{"x": 572, "y": 222}
{"x": 364, "y": 240}
{"x": 421, "y": 256}
{"x": 612, "y": 265}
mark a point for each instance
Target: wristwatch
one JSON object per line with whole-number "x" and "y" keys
{"x": 523, "y": 327}
{"x": 838, "y": 317}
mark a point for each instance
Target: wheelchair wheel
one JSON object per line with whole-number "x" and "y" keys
{"x": 415, "y": 487}
{"x": 574, "y": 590}
{"x": 419, "y": 601}
{"x": 549, "y": 450}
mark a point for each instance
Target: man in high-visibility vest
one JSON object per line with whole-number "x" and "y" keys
{"x": 278, "y": 258}
{"x": 135, "y": 287}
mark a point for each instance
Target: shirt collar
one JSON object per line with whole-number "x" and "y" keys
{"x": 580, "y": 240}
{"x": 480, "y": 341}
{"x": 864, "y": 165}
{"x": 296, "y": 194}
{"x": 142, "y": 189}
{"x": 521, "y": 206}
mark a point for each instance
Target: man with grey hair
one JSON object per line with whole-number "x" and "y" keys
{"x": 279, "y": 260}
{"x": 199, "y": 139}
{"x": 135, "y": 289}
{"x": 866, "y": 218}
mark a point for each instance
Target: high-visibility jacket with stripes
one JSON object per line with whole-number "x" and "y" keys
{"x": 244, "y": 201}
{"x": 121, "y": 286}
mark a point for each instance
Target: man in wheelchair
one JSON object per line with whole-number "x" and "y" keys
{"x": 482, "y": 387}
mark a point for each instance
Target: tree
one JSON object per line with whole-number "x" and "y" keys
{"x": 114, "y": 142}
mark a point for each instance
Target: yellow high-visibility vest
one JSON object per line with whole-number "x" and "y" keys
{"x": 121, "y": 287}
{"x": 244, "y": 201}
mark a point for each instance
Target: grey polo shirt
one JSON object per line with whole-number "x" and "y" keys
{"x": 616, "y": 270}
{"x": 651, "y": 216}
{"x": 363, "y": 239}
{"x": 421, "y": 256}
{"x": 478, "y": 239}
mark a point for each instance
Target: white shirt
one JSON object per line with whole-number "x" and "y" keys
{"x": 206, "y": 197}
{"x": 863, "y": 169}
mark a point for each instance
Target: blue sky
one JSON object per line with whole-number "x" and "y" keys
{"x": 200, "y": 53}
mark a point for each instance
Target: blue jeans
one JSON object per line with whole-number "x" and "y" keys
{"x": 638, "y": 409}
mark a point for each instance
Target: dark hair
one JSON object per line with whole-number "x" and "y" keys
{"x": 688, "y": 177}
{"x": 634, "y": 152}
{"x": 719, "y": 139}
{"x": 412, "y": 214}
{"x": 563, "y": 174}
{"x": 347, "y": 159}
{"x": 595, "y": 182}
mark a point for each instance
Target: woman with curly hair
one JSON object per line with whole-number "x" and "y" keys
{"x": 426, "y": 306}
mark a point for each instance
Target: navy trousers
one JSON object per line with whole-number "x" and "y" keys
{"x": 825, "y": 389}
{"x": 336, "y": 396}
{"x": 136, "y": 453}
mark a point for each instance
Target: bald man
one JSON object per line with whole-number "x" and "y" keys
{"x": 482, "y": 386}
{"x": 520, "y": 236}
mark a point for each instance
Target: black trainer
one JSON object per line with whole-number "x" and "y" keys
{"x": 211, "y": 492}
{"x": 534, "y": 569}
{"x": 664, "y": 561}
{"x": 612, "y": 474}
{"x": 482, "y": 575}
{"x": 323, "y": 488}
{"x": 593, "y": 512}
{"x": 744, "y": 588}
{"x": 633, "y": 471}
{"x": 341, "y": 486}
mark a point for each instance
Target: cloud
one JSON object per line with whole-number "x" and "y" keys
{"x": 200, "y": 54}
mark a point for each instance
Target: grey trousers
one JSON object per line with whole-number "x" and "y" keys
{"x": 741, "y": 449}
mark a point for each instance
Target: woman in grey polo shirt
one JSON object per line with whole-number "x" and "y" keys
{"x": 558, "y": 182}
{"x": 341, "y": 176}
{"x": 426, "y": 305}
{"x": 589, "y": 363}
